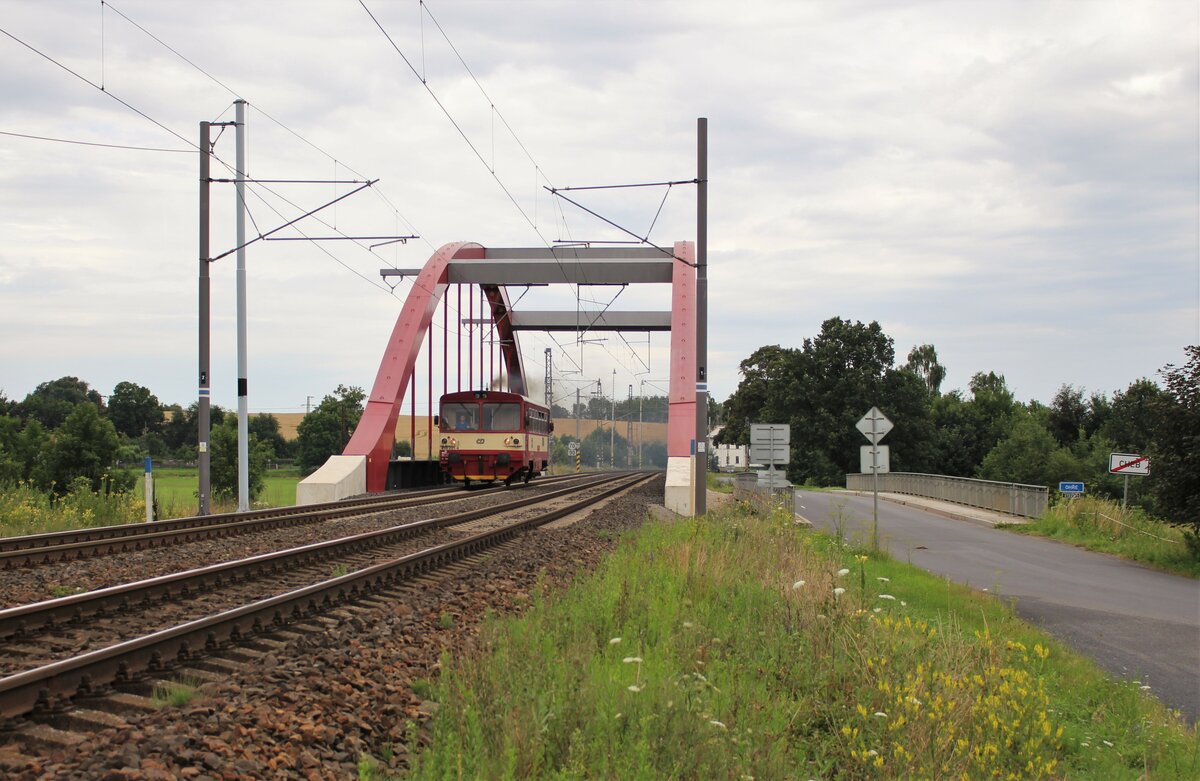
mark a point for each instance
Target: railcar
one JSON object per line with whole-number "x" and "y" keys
{"x": 488, "y": 436}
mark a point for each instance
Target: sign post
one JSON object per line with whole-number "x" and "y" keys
{"x": 874, "y": 426}
{"x": 769, "y": 445}
{"x": 1128, "y": 464}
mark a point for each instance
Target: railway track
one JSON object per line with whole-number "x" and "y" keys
{"x": 53, "y": 547}
{"x": 65, "y": 650}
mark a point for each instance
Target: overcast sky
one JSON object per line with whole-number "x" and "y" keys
{"x": 1015, "y": 183}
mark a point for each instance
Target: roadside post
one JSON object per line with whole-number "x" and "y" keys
{"x": 875, "y": 426}
{"x": 1128, "y": 464}
{"x": 149, "y": 491}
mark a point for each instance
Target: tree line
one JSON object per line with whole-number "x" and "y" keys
{"x": 65, "y": 435}
{"x": 824, "y": 386}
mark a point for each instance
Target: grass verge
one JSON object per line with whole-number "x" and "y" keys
{"x": 742, "y": 647}
{"x": 1101, "y": 525}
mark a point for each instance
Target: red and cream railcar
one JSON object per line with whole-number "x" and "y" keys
{"x": 493, "y": 435}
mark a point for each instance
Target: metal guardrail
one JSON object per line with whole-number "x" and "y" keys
{"x": 1028, "y": 501}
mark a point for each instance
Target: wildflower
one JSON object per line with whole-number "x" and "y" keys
{"x": 688, "y": 624}
{"x": 887, "y": 596}
{"x": 1105, "y": 742}
{"x": 872, "y": 753}
{"x": 717, "y": 724}
{"x": 843, "y": 571}
{"x": 633, "y": 687}
{"x": 837, "y": 592}
{"x": 632, "y": 660}
{"x": 882, "y": 579}
{"x": 797, "y": 584}
{"x": 619, "y": 715}
{"x": 860, "y": 558}
{"x": 878, "y": 610}
{"x": 1145, "y": 688}
{"x": 614, "y": 641}
{"x": 903, "y": 603}
{"x": 881, "y": 714}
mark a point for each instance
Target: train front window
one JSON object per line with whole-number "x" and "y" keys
{"x": 457, "y": 416}
{"x": 501, "y": 417}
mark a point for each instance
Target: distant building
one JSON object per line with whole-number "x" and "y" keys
{"x": 730, "y": 458}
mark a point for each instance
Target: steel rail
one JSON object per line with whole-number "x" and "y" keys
{"x": 18, "y": 622}
{"x": 53, "y": 686}
{"x": 82, "y": 543}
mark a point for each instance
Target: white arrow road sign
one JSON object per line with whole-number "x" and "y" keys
{"x": 874, "y": 425}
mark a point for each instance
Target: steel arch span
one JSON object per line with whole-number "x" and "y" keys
{"x": 376, "y": 431}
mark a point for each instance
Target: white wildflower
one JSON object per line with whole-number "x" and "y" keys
{"x": 717, "y": 724}
{"x": 872, "y": 753}
{"x": 688, "y": 625}
{"x": 632, "y": 660}
{"x": 878, "y": 610}
{"x": 843, "y": 571}
{"x": 1105, "y": 742}
{"x": 887, "y": 596}
{"x": 881, "y": 714}
{"x": 614, "y": 641}
{"x": 837, "y": 592}
{"x": 882, "y": 579}
{"x": 633, "y": 687}
{"x": 797, "y": 584}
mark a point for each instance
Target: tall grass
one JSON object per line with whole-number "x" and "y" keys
{"x": 737, "y": 646}
{"x": 1102, "y": 525}
{"x": 28, "y": 510}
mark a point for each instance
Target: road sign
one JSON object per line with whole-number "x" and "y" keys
{"x": 880, "y": 460}
{"x": 1128, "y": 464}
{"x": 770, "y": 433}
{"x": 773, "y": 478}
{"x": 1070, "y": 488}
{"x": 769, "y": 454}
{"x": 874, "y": 425}
{"x": 572, "y": 447}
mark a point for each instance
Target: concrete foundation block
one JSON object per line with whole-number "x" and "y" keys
{"x": 340, "y": 477}
{"x": 678, "y": 496}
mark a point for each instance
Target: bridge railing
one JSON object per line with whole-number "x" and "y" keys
{"x": 1028, "y": 501}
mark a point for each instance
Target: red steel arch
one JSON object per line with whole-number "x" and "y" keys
{"x": 376, "y": 431}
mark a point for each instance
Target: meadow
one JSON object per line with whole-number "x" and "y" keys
{"x": 741, "y": 646}
{"x": 26, "y": 510}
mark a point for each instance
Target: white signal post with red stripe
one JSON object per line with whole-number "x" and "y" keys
{"x": 1128, "y": 464}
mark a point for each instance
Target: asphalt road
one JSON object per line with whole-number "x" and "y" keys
{"x": 1134, "y": 622}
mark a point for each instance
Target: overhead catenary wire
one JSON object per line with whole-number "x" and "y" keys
{"x": 96, "y": 143}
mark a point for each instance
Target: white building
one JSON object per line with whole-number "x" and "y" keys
{"x": 730, "y": 458}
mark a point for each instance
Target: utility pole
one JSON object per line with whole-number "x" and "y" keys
{"x": 205, "y": 391}
{"x": 550, "y": 406}
{"x": 641, "y": 426}
{"x": 700, "y": 503}
{"x": 629, "y": 430}
{"x": 612, "y": 432}
{"x": 243, "y": 398}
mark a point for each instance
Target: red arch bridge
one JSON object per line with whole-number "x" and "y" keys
{"x": 474, "y": 280}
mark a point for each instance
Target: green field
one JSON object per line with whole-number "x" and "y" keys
{"x": 175, "y": 491}
{"x": 744, "y": 647}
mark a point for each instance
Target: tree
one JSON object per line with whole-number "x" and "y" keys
{"x": 85, "y": 445}
{"x": 1132, "y": 416}
{"x": 1022, "y": 456}
{"x": 326, "y": 430}
{"x": 134, "y": 410}
{"x": 51, "y": 402}
{"x": 223, "y": 446}
{"x": 1069, "y": 415}
{"x": 923, "y": 361}
{"x": 1175, "y": 453}
{"x": 22, "y": 449}
{"x": 266, "y": 428}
